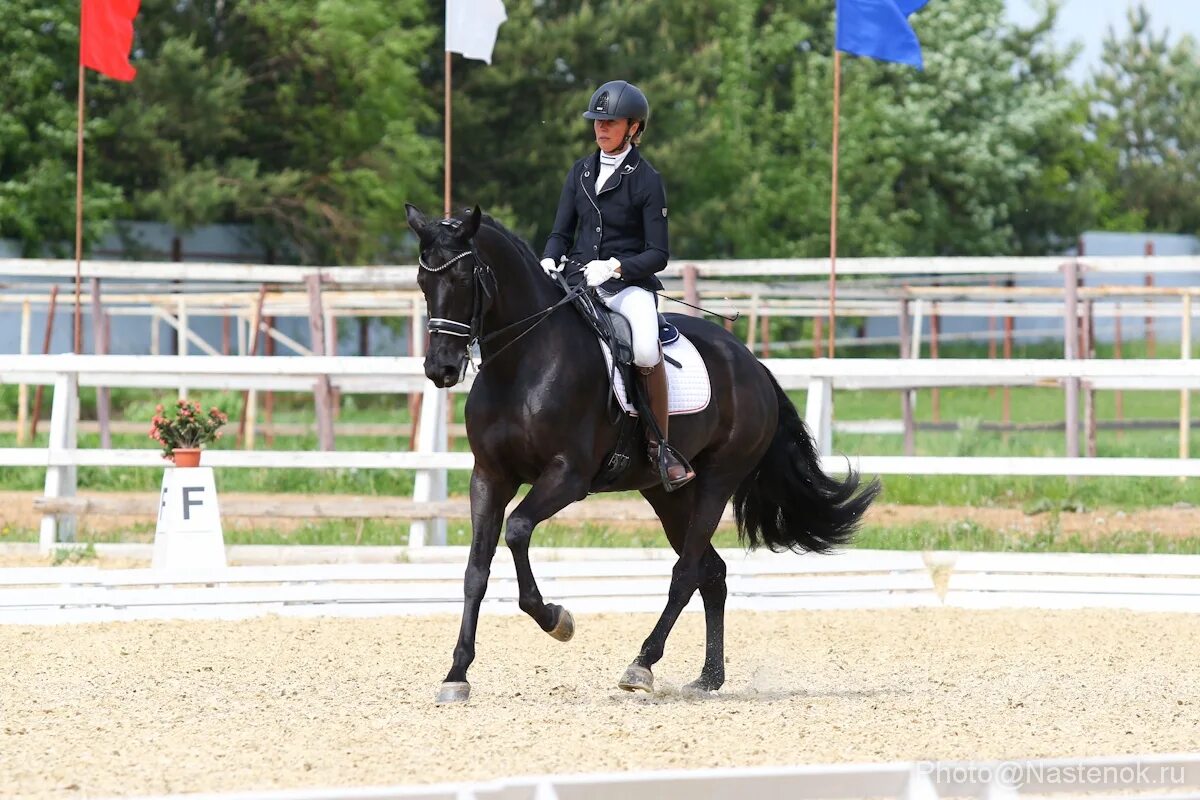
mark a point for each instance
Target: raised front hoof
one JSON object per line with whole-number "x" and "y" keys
{"x": 637, "y": 678}
{"x": 564, "y": 629}
{"x": 704, "y": 685}
{"x": 453, "y": 692}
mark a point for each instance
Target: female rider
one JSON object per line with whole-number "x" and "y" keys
{"x": 612, "y": 225}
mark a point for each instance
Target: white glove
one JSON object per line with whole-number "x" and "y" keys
{"x": 597, "y": 272}
{"x": 550, "y": 268}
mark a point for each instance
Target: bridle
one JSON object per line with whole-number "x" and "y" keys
{"x": 485, "y": 281}
{"x": 486, "y": 287}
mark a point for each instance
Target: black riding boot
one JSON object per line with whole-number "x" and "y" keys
{"x": 654, "y": 384}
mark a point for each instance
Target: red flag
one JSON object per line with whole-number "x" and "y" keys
{"x": 106, "y": 36}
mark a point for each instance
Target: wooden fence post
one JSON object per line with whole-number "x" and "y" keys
{"x": 322, "y": 391}
{"x": 1070, "y": 353}
{"x": 46, "y": 340}
{"x": 1088, "y": 349}
{"x": 1117, "y": 354}
{"x": 331, "y": 349}
{"x": 764, "y": 324}
{"x": 246, "y": 424}
{"x": 181, "y": 338}
{"x": 23, "y": 389}
{"x": 103, "y": 393}
{"x": 935, "y": 328}
{"x": 906, "y": 395}
{"x": 691, "y": 289}
{"x": 992, "y": 344}
{"x": 1151, "y": 342}
{"x": 1006, "y": 401}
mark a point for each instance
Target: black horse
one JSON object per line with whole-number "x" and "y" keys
{"x": 538, "y": 414}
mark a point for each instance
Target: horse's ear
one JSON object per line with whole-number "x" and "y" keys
{"x": 471, "y": 223}
{"x": 417, "y": 221}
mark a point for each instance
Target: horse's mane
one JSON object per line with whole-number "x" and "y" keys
{"x": 520, "y": 245}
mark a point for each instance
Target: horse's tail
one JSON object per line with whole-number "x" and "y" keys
{"x": 788, "y": 503}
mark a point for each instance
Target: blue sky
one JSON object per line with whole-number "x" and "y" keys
{"x": 1088, "y": 21}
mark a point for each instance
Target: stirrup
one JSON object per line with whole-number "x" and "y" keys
{"x": 660, "y": 452}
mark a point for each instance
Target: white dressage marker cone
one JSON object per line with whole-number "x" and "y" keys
{"x": 188, "y": 535}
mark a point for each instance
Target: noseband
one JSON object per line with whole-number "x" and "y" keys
{"x": 449, "y": 327}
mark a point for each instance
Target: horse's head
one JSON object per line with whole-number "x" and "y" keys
{"x": 457, "y": 287}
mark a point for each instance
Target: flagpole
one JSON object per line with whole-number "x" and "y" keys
{"x": 447, "y": 136}
{"x": 79, "y": 210}
{"x": 833, "y": 202}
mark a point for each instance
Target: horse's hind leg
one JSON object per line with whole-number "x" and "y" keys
{"x": 675, "y": 512}
{"x": 712, "y": 592}
{"x": 555, "y": 489}
{"x": 695, "y": 568}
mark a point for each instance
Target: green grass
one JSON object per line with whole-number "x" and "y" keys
{"x": 950, "y": 535}
{"x": 963, "y": 535}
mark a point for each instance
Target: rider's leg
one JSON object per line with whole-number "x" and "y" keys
{"x": 637, "y": 305}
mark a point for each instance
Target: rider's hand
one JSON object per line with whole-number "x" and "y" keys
{"x": 597, "y": 272}
{"x": 550, "y": 268}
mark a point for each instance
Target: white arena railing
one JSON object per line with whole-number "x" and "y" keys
{"x": 594, "y": 580}
{"x": 405, "y": 276}
{"x": 820, "y": 377}
{"x": 1146, "y": 776}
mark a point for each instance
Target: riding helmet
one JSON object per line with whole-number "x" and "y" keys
{"x": 619, "y": 100}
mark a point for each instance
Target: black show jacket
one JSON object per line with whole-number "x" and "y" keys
{"x": 626, "y": 220}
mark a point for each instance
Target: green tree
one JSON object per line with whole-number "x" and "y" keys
{"x": 983, "y": 153}
{"x": 39, "y": 73}
{"x": 1147, "y": 113}
{"x": 301, "y": 117}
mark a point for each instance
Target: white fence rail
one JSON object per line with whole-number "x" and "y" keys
{"x": 599, "y": 580}
{"x": 819, "y": 376}
{"x": 1070, "y": 580}
{"x": 1157, "y": 775}
{"x": 760, "y": 582}
{"x": 404, "y": 276}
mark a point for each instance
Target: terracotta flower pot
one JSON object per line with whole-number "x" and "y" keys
{"x": 186, "y": 456}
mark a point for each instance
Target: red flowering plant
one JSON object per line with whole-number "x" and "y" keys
{"x": 185, "y": 426}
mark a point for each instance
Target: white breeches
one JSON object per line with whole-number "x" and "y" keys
{"x": 637, "y": 305}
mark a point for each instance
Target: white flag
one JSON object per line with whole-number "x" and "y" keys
{"x": 471, "y": 27}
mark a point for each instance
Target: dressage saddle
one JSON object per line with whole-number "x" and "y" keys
{"x": 613, "y": 330}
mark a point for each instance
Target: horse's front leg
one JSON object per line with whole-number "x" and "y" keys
{"x": 555, "y": 489}
{"x": 489, "y": 497}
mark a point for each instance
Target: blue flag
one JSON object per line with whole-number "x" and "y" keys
{"x": 879, "y": 29}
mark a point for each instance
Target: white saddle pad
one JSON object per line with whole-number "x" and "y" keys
{"x": 688, "y": 388}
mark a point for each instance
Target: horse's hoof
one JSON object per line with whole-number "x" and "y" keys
{"x": 704, "y": 685}
{"x": 453, "y": 692}
{"x": 637, "y": 678}
{"x": 564, "y": 629}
